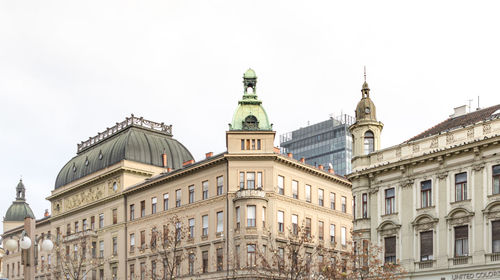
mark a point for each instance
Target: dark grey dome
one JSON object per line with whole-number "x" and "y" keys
{"x": 19, "y": 208}
{"x": 133, "y": 143}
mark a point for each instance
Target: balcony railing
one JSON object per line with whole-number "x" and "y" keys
{"x": 459, "y": 260}
{"x": 80, "y": 234}
{"x": 493, "y": 257}
{"x": 244, "y": 194}
{"x": 424, "y": 264}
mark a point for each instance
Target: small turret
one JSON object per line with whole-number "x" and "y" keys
{"x": 19, "y": 209}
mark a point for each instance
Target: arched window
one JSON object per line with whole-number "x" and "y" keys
{"x": 369, "y": 142}
{"x": 250, "y": 123}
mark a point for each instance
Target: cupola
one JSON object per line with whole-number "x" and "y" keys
{"x": 18, "y": 210}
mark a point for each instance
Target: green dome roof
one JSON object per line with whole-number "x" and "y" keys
{"x": 19, "y": 208}
{"x": 250, "y": 115}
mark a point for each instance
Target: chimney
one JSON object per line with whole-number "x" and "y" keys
{"x": 46, "y": 214}
{"x": 276, "y": 150}
{"x": 191, "y": 161}
{"x": 459, "y": 111}
{"x": 209, "y": 155}
{"x": 320, "y": 167}
{"x": 290, "y": 155}
{"x": 303, "y": 160}
{"x": 164, "y": 159}
{"x": 331, "y": 171}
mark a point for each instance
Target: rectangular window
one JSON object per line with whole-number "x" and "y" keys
{"x": 253, "y": 144}
{"x": 143, "y": 240}
{"x": 426, "y": 248}
{"x": 204, "y": 220}
{"x": 343, "y": 201}
{"x": 258, "y": 144}
{"x": 220, "y": 185}
{"x": 143, "y": 271}
{"x": 343, "y": 236}
{"x": 204, "y": 255}
{"x": 295, "y": 224}
{"x": 101, "y": 274}
{"x": 220, "y": 221}
{"x": 237, "y": 257}
{"x": 191, "y": 228}
{"x": 281, "y": 224}
{"x": 332, "y": 201}
{"x": 132, "y": 212}
{"x": 321, "y": 230}
{"x": 496, "y": 179}
{"x": 495, "y": 236}
{"x": 93, "y": 250}
{"x": 295, "y": 189}
{"x": 77, "y": 229}
{"x": 92, "y": 222}
{"x": 364, "y": 209}
{"x": 248, "y": 144}
{"x": 251, "y": 255}
{"x": 238, "y": 217}
{"x": 143, "y": 208}
{"x": 220, "y": 259}
{"x": 132, "y": 242}
{"x": 461, "y": 186}
{"x": 461, "y": 241}
{"x": 101, "y": 249}
{"x": 259, "y": 180}
{"x": 250, "y": 180}
{"x": 242, "y": 180}
{"x": 242, "y": 144}
{"x": 205, "y": 189}
{"x": 153, "y": 205}
{"x": 308, "y": 193}
{"x": 115, "y": 246}
{"x": 178, "y": 197}
{"x": 389, "y": 201}
{"x": 115, "y": 216}
{"x": 263, "y": 217}
{"x": 281, "y": 185}
{"x": 84, "y": 224}
{"x": 153, "y": 269}
{"x": 251, "y": 216}
{"x": 131, "y": 270}
{"x": 191, "y": 263}
{"x": 426, "y": 193}
{"x": 165, "y": 201}
{"x": 191, "y": 194}
{"x": 308, "y": 227}
{"x": 332, "y": 233}
{"x": 178, "y": 267}
{"x": 321, "y": 197}
{"x": 101, "y": 220}
{"x": 354, "y": 206}
{"x": 390, "y": 249}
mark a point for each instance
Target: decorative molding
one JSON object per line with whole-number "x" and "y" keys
{"x": 416, "y": 148}
{"x": 442, "y": 175}
{"x": 449, "y": 138}
{"x": 478, "y": 167}
{"x": 486, "y": 128}
{"x": 434, "y": 143}
{"x": 398, "y": 152}
{"x": 380, "y": 156}
{"x": 406, "y": 182}
{"x": 470, "y": 133}
{"x": 84, "y": 197}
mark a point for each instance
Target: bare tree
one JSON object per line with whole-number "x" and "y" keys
{"x": 76, "y": 256}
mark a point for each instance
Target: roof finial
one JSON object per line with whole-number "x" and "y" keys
{"x": 365, "y": 72}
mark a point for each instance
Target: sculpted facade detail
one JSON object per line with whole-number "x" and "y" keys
{"x": 84, "y": 197}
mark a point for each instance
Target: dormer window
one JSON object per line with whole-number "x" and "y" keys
{"x": 369, "y": 142}
{"x": 250, "y": 123}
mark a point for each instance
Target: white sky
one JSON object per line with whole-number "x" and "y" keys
{"x": 69, "y": 69}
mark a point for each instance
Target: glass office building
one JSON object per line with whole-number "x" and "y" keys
{"x": 325, "y": 143}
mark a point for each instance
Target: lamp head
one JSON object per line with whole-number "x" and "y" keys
{"x": 25, "y": 242}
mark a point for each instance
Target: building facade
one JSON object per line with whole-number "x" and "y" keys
{"x": 126, "y": 185}
{"x": 326, "y": 143}
{"x": 432, "y": 202}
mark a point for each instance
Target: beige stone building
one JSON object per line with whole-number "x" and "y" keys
{"x": 125, "y": 185}
{"x": 432, "y": 202}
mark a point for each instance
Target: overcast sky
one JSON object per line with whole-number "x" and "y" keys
{"x": 69, "y": 69}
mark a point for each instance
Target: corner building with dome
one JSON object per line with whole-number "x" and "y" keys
{"x": 127, "y": 184}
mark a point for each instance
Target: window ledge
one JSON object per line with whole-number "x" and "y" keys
{"x": 389, "y": 215}
{"x": 460, "y": 201}
{"x": 494, "y": 195}
{"x": 426, "y": 208}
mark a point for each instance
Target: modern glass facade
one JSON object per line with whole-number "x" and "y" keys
{"x": 325, "y": 143}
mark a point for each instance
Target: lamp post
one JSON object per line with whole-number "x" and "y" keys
{"x": 29, "y": 253}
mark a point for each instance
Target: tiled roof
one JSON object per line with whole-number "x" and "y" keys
{"x": 460, "y": 121}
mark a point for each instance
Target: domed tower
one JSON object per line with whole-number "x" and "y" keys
{"x": 18, "y": 210}
{"x": 366, "y": 130}
{"x": 250, "y": 131}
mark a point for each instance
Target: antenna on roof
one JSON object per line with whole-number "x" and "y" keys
{"x": 365, "y": 72}
{"x": 478, "y": 108}
{"x": 470, "y": 103}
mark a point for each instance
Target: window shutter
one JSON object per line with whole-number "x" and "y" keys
{"x": 426, "y": 243}
{"x": 390, "y": 246}
{"x": 461, "y": 232}
{"x": 495, "y": 230}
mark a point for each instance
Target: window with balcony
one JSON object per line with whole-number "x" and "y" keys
{"x": 295, "y": 189}
{"x": 364, "y": 207}
{"x": 281, "y": 185}
{"x": 132, "y": 212}
{"x": 178, "y": 197}
{"x": 332, "y": 233}
{"x": 259, "y": 180}
{"x": 389, "y": 201}
{"x": 461, "y": 186}
{"x": 495, "y": 236}
{"x": 281, "y": 224}
{"x": 496, "y": 179}
{"x": 390, "y": 249}
{"x": 251, "y": 216}
{"x": 205, "y": 189}
{"x": 220, "y": 222}
{"x": 461, "y": 241}
{"x": 426, "y": 193}
{"x": 84, "y": 224}
{"x": 295, "y": 224}
{"x": 343, "y": 202}
{"x": 220, "y": 185}
{"x": 250, "y": 180}
{"x": 143, "y": 208}
{"x": 332, "y": 201}
{"x": 165, "y": 201}
{"x": 426, "y": 246}
{"x": 242, "y": 180}
{"x": 191, "y": 194}
{"x": 321, "y": 199}
{"x": 153, "y": 205}
{"x": 308, "y": 192}
{"x": 204, "y": 220}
